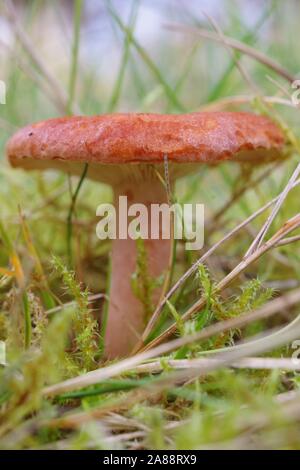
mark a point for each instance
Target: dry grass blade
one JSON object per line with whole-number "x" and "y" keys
{"x": 235, "y": 44}
{"x": 267, "y": 342}
{"x": 238, "y": 100}
{"x": 201, "y": 260}
{"x": 288, "y": 227}
{"x": 237, "y": 193}
{"x": 237, "y": 62}
{"x": 35, "y": 56}
{"x": 288, "y": 240}
{"x": 247, "y": 363}
{"x": 175, "y": 378}
{"x": 35, "y": 77}
{"x": 281, "y": 89}
{"x": 283, "y": 195}
{"x": 110, "y": 371}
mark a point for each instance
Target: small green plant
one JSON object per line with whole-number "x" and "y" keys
{"x": 142, "y": 283}
{"x": 84, "y": 325}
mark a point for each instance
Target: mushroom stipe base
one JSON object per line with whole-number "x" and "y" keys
{"x": 126, "y": 319}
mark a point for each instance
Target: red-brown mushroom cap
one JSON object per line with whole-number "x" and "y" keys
{"x": 118, "y": 139}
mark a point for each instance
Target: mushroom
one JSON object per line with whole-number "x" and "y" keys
{"x": 127, "y": 151}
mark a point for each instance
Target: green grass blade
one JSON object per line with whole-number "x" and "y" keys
{"x": 115, "y": 96}
{"x": 75, "y": 49}
{"x": 71, "y": 213}
{"x": 27, "y": 320}
{"x": 169, "y": 92}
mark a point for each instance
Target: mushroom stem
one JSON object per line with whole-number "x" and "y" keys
{"x": 136, "y": 266}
